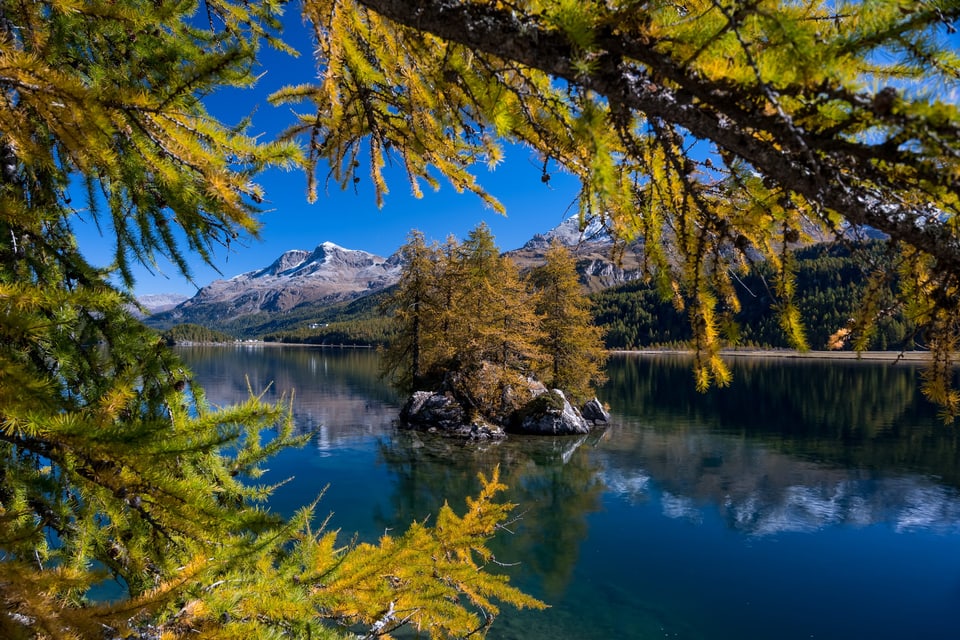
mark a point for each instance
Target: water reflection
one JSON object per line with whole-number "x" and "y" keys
{"x": 841, "y": 413}
{"x": 337, "y": 395}
{"x": 555, "y": 482}
{"x": 790, "y": 446}
{"x": 808, "y": 499}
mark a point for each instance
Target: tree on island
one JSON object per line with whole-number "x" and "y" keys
{"x": 415, "y": 305}
{"x": 573, "y": 344}
{"x": 113, "y": 468}
{"x": 470, "y": 326}
{"x": 495, "y": 329}
{"x": 720, "y": 133}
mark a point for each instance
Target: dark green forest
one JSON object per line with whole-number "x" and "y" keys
{"x": 831, "y": 281}
{"x": 195, "y": 333}
{"x": 360, "y": 322}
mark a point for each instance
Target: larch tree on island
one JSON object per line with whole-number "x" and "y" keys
{"x": 572, "y": 343}
{"x": 416, "y": 306}
{"x": 496, "y": 327}
{"x": 719, "y": 132}
{"x": 473, "y": 328}
{"x": 112, "y": 465}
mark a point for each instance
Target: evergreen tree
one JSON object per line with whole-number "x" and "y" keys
{"x": 193, "y": 333}
{"x": 480, "y": 301}
{"x": 112, "y": 466}
{"x": 719, "y": 133}
{"x": 518, "y": 339}
{"x": 572, "y": 343}
{"x": 448, "y": 280}
{"x": 476, "y": 267}
{"x": 507, "y": 344}
{"x": 416, "y": 309}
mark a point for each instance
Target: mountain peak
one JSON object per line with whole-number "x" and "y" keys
{"x": 329, "y": 273}
{"x": 287, "y": 261}
{"x": 571, "y": 233}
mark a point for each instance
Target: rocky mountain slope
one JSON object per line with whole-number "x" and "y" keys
{"x": 593, "y": 249}
{"x": 329, "y": 274}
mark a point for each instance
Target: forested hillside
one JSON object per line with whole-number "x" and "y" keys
{"x": 360, "y": 323}
{"x": 831, "y": 283}
{"x": 193, "y": 334}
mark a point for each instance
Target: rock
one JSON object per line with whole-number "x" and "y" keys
{"x": 550, "y": 413}
{"x": 427, "y": 410}
{"x": 441, "y": 413}
{"x": 593, "y": 411}
{"x": 483, "y": 431}
{"x": 525, "y": 406}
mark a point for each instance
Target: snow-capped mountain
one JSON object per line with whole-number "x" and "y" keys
{"x": 592, "y": 246}
{"x": 571, "y": 234}
{"x": 329, "y": 274}
{"x": 158, "y": 302}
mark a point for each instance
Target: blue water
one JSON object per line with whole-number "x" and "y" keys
{"x": 809, "y": 500}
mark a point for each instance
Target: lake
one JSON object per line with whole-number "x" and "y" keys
{"x": 811, "y": 499}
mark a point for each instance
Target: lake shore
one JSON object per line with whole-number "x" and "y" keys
{"x": 872, "y": 356}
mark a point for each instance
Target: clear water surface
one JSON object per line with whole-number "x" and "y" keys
{"x": 810, "y": 499}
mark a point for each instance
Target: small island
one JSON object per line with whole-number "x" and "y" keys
{"x": 484, "y": 351}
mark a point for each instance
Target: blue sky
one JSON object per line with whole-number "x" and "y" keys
{"x": 351, "y": 218}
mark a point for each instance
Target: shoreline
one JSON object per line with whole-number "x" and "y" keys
{"x": 872, "y": 356}
{"x": 866, "y": 356}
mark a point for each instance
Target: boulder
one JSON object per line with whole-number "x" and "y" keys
{"x": 594, "y": 412}
{"x": 441, "y": 413}
{"x": 550, "y": 413}
{"x": 427, "y": 410}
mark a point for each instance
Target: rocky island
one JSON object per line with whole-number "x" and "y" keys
{"x": 475, "y": 338}
{"x": 546, "y": 412}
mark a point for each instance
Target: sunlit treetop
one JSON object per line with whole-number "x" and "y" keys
{"x": 718, "y": 132}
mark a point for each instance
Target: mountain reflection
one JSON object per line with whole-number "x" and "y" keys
{"x": 790, "y": 446}
{"x": 337, "y": 395}
{"x": 758, "y": 490}
{"x": 808, "y": 499}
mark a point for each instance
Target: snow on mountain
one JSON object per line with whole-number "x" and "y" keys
{"x": 159, "y": 302}
{"x": 571, "y": 234}
{"x": 329, "y": 273}
{"x": 592, "y": 246}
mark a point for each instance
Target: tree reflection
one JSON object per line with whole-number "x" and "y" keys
{"x": 843, "y": 413}
{"x": 554, "y": 482}
{"x": 760, "y": 491}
